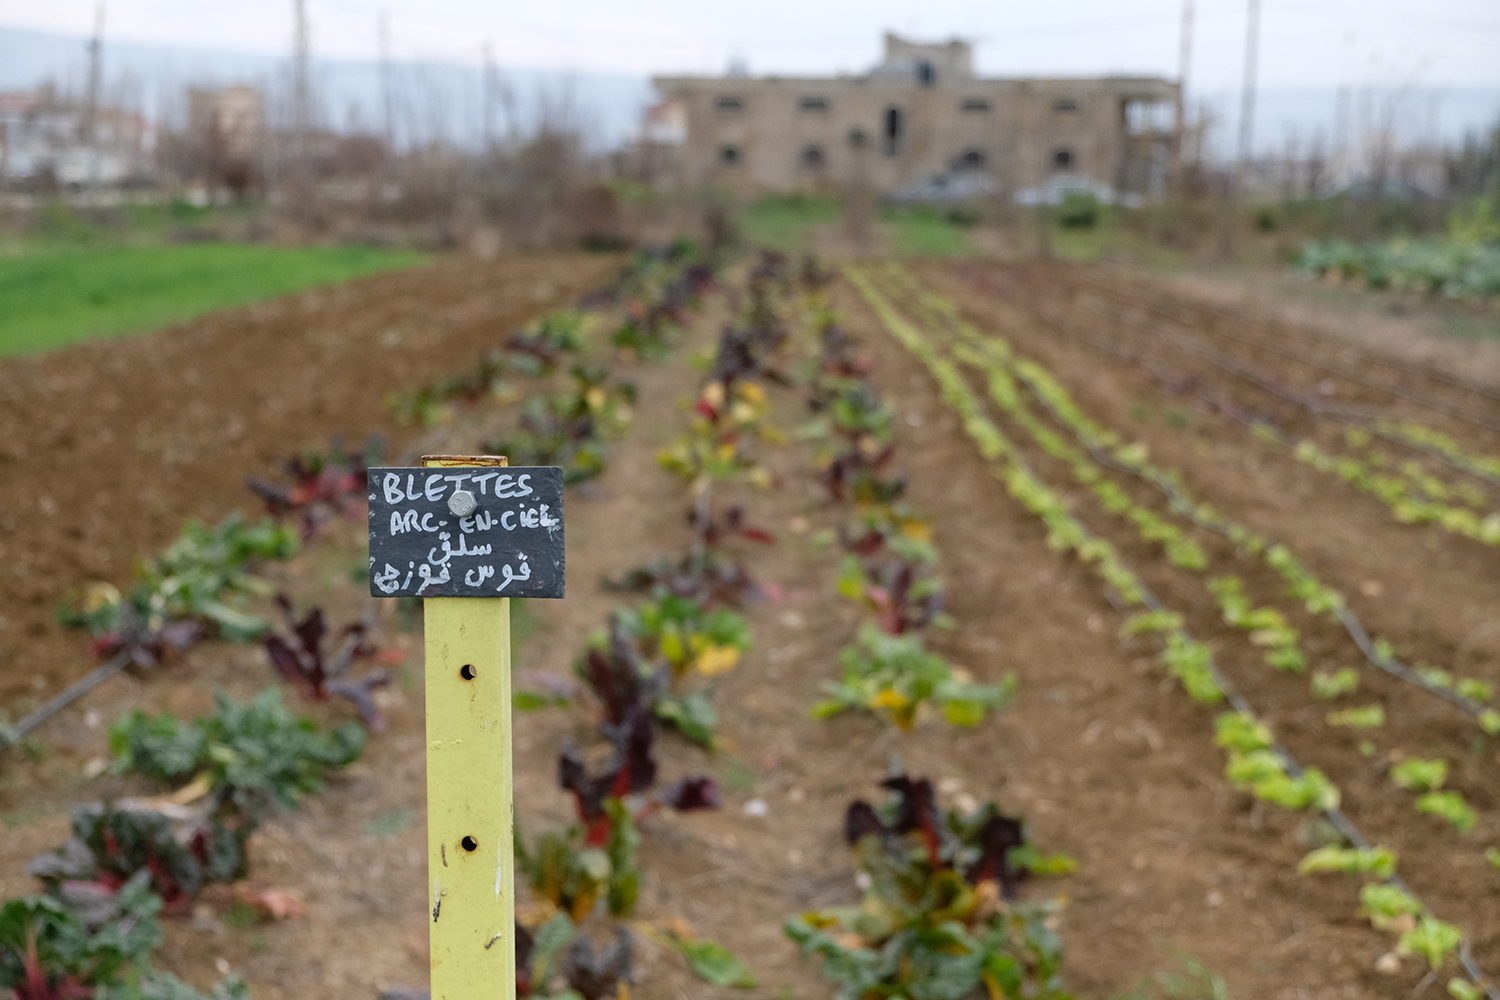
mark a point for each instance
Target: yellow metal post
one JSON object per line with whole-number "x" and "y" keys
{"x": 470, "y": 811}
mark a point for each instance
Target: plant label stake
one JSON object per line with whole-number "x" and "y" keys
{"x": 463, "y": 527}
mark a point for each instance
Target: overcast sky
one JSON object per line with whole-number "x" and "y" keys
{"x": 1304, "y": 43}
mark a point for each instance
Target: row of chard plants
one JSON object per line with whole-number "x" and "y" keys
{"x": 940, "y": 915}
{"x": 653, "y": 669}
{"x": 651, "y": 673}
{"x": 93, "y": 927}
{"x": 647, "y": 674}
{"x": 947, "y": 346}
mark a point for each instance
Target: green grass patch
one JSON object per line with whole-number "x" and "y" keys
{"x": 926, "y": 231}
{"x": 58, "y": 296}
{"x": 783, "y": 222}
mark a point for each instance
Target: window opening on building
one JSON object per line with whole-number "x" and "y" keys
{"x": 1065, "y": 104}
{"x": 813, "y": 103}
{"x": 1062, "y": 159}
{"x": 974, "y": 105}
{"x": 729, "y": 156}
{"x": 728, "y": 105}
{"x": 858, "y": 138}
{"x": 926, "y": 75}
{"x": 894, "y": 127}
{"x": 813, "y": 158}
{"x": 1146, "y": 117}
{"x": 969, "y": 160}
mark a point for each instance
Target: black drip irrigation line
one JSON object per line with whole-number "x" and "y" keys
{"x": 1292, "y": 766}
{"x": 66, "y": 697}
{"x": 1430, "y": 451}
{"x": 1359, "y": 417}
{"x": 1354, "y": 416}
{"x": 1185, "y": 508}
{"x": 1333, "y": 369}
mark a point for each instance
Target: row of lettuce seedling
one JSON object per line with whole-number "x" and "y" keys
{"x": 92, "y": 929}
{"x": 1266, "y": 626}
{"x": 1256, "y": 762}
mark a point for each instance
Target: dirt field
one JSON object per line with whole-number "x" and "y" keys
{"x": 1107, "y": 760}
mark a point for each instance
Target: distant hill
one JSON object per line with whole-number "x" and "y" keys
{"x": 444, "y": 97}
{"x": 431, "y": 96}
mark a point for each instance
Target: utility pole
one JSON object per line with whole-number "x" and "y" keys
{"x": 1179, "y": 123}
{"x": 301, "y": 112}
{"x": 1247, "y": 96}
{"x": 387, "y": 94}
{"x": 487, "y": 95}
{"x": 89, "y": 127}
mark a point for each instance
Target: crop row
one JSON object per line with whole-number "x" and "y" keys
{"x": 650, "y": 673}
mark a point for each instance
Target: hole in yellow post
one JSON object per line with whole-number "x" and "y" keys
{"x": 467, "y": 671}
{"x": 469, "y": 844}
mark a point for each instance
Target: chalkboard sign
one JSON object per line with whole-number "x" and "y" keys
{"x": 466, "y": 531}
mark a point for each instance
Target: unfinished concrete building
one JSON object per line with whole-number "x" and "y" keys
{"x": 922, "y": 125}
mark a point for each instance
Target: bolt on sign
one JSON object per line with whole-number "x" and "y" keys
{"x": 459, "y": 528}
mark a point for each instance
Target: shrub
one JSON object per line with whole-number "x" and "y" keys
{"x": 1078, "y": 210}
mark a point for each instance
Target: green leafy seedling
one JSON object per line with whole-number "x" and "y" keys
{"x": 1377, "y": 861}
{"x": 1462, "y": 989}
{"x": 1365, "y": 717}
{"x": 1386, "y": 904}
{"x": 1151, "y": 621}
{"x": 1241, "y": 733}
{"x": 1431, "y": 939}
{"x": 1450, "y": 806}
{"x": 1328, "y": 685}
{"x": 1474, "y": 689}
{"x": 1418, "y": 775}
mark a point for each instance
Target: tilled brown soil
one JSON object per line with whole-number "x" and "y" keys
{"x": 1108, "y": 761}
{"x": 106, "y": 447}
